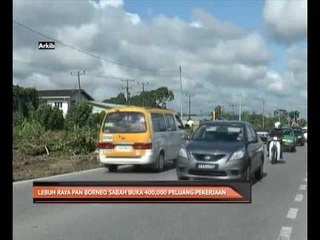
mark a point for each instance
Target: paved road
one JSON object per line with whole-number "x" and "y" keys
{"x": 278, "y": 211}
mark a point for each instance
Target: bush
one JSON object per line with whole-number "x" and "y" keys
{"x": 27, "y": 137}
{"x": 81, "y": 140}
{"x": 78, "y": 115}
{"x": 75, "y": 141}
{"x": 42, "y": 115}
{"x": 50, "y": 118}
{"x": 56, "y": 120}
{"x": 29, "y": 129}
{"x": 17, "y": 119}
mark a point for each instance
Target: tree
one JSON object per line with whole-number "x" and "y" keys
{"x": 95, "y": 120}
{"x": 24, "y": 99}
{"x": 293, "y": 116}
{"x": 281, "y": 115}
{"x": 218, "y": 110}
{"x": 302, "y": 122}
{"x": 120, "y": 99}
{"x": 151, "y": 98}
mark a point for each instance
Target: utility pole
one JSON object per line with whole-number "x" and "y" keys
{"x": 262, "y": 113}
{"x": 143, "y": 83}
{"x": 181, "y": 96}
{"x": 189, "y": 101}
{"x": 232, "y": 106}
{"x": 127, "y": 88}
{"x": 78, "y": 73}
{"x": 240, "y": 105}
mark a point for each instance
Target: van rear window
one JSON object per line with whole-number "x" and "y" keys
{"x": 125, "y": 122}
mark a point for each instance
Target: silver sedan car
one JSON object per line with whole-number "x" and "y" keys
{"x": 222, "y": 150}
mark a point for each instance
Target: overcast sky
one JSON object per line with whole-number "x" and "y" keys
{"x": 225, "y": 48}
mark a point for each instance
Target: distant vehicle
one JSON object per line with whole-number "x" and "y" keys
{"x": 223, "y": 150}
{"x": 263, "y": 135}
{"x": 305, "y": 133}
{"x": 288, "y": 139}
{"x": 140, "y": 136}
{"x": 299, "y": 135}
{"x": 274, "y": 150}
{"x": 188, "y": 123}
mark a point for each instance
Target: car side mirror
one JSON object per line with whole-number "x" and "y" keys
{"x": 187, "y": 137}
{"x": 253, "y": 141}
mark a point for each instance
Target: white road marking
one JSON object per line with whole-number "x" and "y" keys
{"x": 303, "y": 187}
{"x": 292, "y": 214}
{"x": 306, "y": 179}
{"x": 299, "y": 198}
{"x": 285, "y": 233}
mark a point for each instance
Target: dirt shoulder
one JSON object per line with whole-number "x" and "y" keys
{"x": 30, "y": 167}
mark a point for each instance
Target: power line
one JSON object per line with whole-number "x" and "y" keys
{"x": 37, "y": 66}
{"x": 188, "y": 75}
{"x": 88, "y": 53}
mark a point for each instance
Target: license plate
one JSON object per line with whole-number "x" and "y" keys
{"x": 123, "y": 148}
{"x": 206, "y": 166}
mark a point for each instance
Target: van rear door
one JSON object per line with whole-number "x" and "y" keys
{"x": 125, "y": 134}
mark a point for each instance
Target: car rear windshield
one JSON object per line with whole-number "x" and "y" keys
{"x": 297, "y": 131}
{"x": 125, "y": 122}
{"x": 219, "y": 133}
{"x": 287, "y": 132}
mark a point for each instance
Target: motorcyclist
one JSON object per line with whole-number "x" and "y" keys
{"x": 276, "y": 132}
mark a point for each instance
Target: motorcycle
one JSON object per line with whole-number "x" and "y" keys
{"x": 274, "y": 150}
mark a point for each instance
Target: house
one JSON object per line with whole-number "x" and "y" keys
{"x": 101, "y": 106}
{"x": 64, "y": 99}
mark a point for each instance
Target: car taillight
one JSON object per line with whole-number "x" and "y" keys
{"x": 142, "y": 146}
{"x": 105, "y": 146}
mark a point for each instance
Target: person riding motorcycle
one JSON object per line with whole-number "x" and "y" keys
{"x": 276, "y": 132}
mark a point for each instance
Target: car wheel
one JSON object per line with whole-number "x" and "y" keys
{"x": 159, "y": 165}
{"x": 183, "y": 178}
{"x": 180, "y": 177}
{"x": 112, "y": 167}
{"x": 259, "y": 172}
{"x": 247, "y": 175}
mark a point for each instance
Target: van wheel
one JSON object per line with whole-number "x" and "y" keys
{"x": 175, "y": 162}
{"x": 111, "y": 167}
{"x": 159, "y": 165}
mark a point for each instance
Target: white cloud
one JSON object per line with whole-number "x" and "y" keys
{"x": 221, "y": 57}
{"x": 133, "y": 18}
{"x": 107, "y": 3}
{"x": 286, "y": 20}
{"x": 196, "y": 24}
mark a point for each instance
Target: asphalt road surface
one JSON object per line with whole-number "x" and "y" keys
{"x": 278, "y": 210}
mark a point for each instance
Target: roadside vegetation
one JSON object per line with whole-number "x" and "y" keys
{"x": 45, "y": 143}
